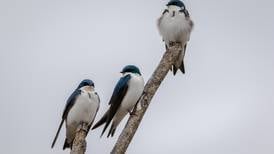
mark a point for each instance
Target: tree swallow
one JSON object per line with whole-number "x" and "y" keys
{"x": 126, "y": 94}
{"x": 175, "y": 26}
{"x": 81, "y": 107}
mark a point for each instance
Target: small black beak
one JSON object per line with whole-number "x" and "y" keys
{"x": 173, "y": 14}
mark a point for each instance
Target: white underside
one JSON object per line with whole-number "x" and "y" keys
{"x": 84, "y": 110}
{"x": 135, "y": 89}
{"x": 175, "y": 29}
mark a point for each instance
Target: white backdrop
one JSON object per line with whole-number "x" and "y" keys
{"x": 223, "y": 105}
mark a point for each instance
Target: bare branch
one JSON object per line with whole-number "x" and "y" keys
{"x": 151, "y": 87}
{"x": 79, "y": 143}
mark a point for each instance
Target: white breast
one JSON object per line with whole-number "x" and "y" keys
{"x": 83, "y": 110}
{"x": 135, "y": 89}
{"x": 175, "y": 29}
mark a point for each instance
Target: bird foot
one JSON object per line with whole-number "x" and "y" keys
{"x": 83, "y": 126}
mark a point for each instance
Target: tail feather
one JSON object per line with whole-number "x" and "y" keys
{"x": 57, "y": 134}
{"x": 110, "y": 114}
{"x": 175, "y": 69}
{"x": 101, "y": 121}
{"x": 111, "y": 130}
{"x": 66, "y": 145}
{"x": 104, "y": 119}
{"x": 182, "y": 67}
{"x": 106, "y": 125}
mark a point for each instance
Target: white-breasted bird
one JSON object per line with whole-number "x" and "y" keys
{"x": 126, "y": 94}
{"x": 81, "y": 107}
{"x": 175, "y": 26}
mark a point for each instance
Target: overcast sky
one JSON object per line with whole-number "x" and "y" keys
{"x": 224, "y": 104}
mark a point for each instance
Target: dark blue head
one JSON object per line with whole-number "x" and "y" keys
{"x": 176, "y": 3}
{"x": 86, "y": 82}
{"x": 131, "y": 69}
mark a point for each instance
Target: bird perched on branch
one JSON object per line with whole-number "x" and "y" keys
{"x": 81, "y": 107}
{"x": 126, "y": 94}
{"x": 175, "y": 26}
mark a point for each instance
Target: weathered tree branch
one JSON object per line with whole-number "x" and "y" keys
{"x": 79, "y": 144}
{"x": 170, "y": 56}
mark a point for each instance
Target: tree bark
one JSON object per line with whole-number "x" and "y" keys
{"x": 79, "y": 143}
{"x": 170, "y": 56}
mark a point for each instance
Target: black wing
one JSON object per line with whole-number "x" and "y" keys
{"x": 70, "y": 103}
{"x": 115, "y": 102}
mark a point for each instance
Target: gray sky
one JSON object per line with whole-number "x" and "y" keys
{"x": 223, "y": 105}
